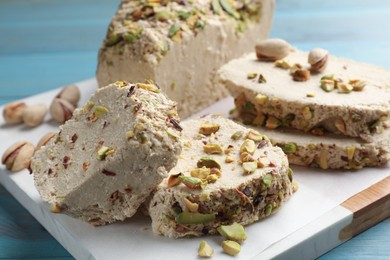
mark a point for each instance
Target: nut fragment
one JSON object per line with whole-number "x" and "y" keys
{"x": 61, "y": 110}
{"x": 327, "y": 85}
{"x": 201, "y": 173}
{"x": 272, "y": 49}
{"x": 213, "y": 149}
{"x": 34, "y": 115}
{"x": 254, "y": 135}
{"x": 306, "y": 113}
{"x": 231, "y": 247}
{"x": 344, "y": 88}
{"x": 205, "y": 250}
{"x": 149, "y": 87}
{"x": 55, "y": 208}
{"x": 248, "y": 146}
{"x": 13, "y": 112}
{"x": 261, "y": 99}
{"x": 17, "y": 156}
{"x": 191, "y": 206}
{"x": 272, "y": 122}
{"x": 208, "y": 129}
{"x": 235, "y": 232}
{"x": 301, "y": 75}
{"x": 323, "y": 162}
{"x": 45, "y": 139}
{"x": 249, "y": 166}
{"x": 357, "y": 84}
{"x": 340, "y": 125}
{"x": 208, "y": 162}
{"x": 174, "y": 180}
{"x": 237, "y": 135}
{"x": 350, "y": 152}
{"x": 318, "y": 59}
{"x": 70, "y": 93}
{"x": 283, "y": 64}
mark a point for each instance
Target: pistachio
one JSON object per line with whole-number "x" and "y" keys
{"x": 34, "y": 115}
{"x": 327, "y": 85}
{"x": 251, "y": 75}
{"x": 248, "y": 146}
{"x": 295, "y": 186}
{"x": 272, "y": 122}
{"x": 191, "y": 206}
{"x": 174, "y": 180}
{"x": 340, "y": 125}
{"x": 99, "y": 112}
{"x": 55, "y": 208}
{"x": 263, "y": 162}
{"x": 149, "y": 87}
{"x": 268, "y": 210}
{"x": 163, "y": 16}
{"x": 45, "y": 139}
{"x": 172, "y": 134}
{"x": 310, "y": 95}
{"x": 237, "y": 135}
{"x": 103, "y": 152}
{"x": 301, "y": 75}
{"x": 267, "y": 180}
{"x": 262, "y": 79}
{"x": 192, "y": 182}
{"x": 226, "y": 5}
{"x": 323, "y": 162}
{"x": 231, "y": 247}
{"x": 200, "y": 173}
{"x": 344, "y": 88}
{"x": 254, "y": 135}
{"x": 318, "y": 59}
{"x": 289, "y": 148}
{"x": 130, "y": 134}
{"x": 307, "y": 113}
{"x": 295, "y": 67}
{"x": 249, "y": 166}
{"x": 229, "y": 149}
{"x": 261, "y": 99}
{"x": 328, "y": 77}
{"x": 173, "y": 30}
{"x": 71, "y": 94}
{"x": 213, "y": 149}
{"x": 204, "y": 249}
{"x": 208, "y": 129}
{"x": 283, "y": 64}
{"x": 246, "y": 157}
{"x": 272, "y": 49}
{"x": 259, "y": 120}
{"x": 208, "y": 162}
{"x": 229, "y": 159}
{"x": 350, "y": 152}
{"x": 235, "y": 232}
{"x": 188, "y": 218}
{"x": 61, "y": 110}
{"x": 290, "y": 174}
{"x": 17, "y": 156}
{"x": 13, "y": 112}
{"x": 216, "y": 7}
{"x": 240, "y": 100}
{"x": 357, "y": 84}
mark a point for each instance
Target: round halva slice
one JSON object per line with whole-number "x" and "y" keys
{"x": 330, "y": 151}
{"x": 225, "y": 174}
{"x": 354, "y": 99}
{"x": 111, "y": 154}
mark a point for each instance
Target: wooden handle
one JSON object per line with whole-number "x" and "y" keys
{"x": 369, "y": 207}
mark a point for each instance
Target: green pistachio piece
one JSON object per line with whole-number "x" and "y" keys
{"x": 213, "y": 149}
{"x": 192, "y": 182}
{"x": 216, "y": 7}
{"x": 102, "y": 153}
{"x": 357, "y": 84}
{"x": 163, "y": 16}
{"x": 208, "y": 129}
{"x": 187, "y": 218}
{"x": 205, "y": 249}
{"x": 251, "y": 75}
{"x": 272, "y": 122}
{"x": 173, "y": 30}
{"x": 262, "y": 79}
{"x": 184, "y": 15}
{"x": 289, "y": 148}
{"x": 267, "y": 179}
{"x": 356, "y": 118}
{"x": 229, "y": 9}
{"x": 100, "y": 111}
{"x": 200, "y": 173}
{"x": 172, "y": 134}
{"x": 235, "y": 232}
{"x": 290, "y": 174}
{"x": 208, "y": 162}
{"x": 261, "y": 99}
{"x": 248, "y": 146}
{"x": 327, "y": 85}
{"x": 237, "y": 135}
{"x": 268, "y": 210}
{"x": 249, "y": 166}
{"x": 254, "y": 135}
{"x": 112, "y": 40}
{"x": 89, "y": 105}
{"x": 231, "y": 247}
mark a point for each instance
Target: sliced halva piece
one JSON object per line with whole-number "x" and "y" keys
{"x": 225, "y": 174}
{"x": 111, "y": 154}
{"x": 181, "y": 44}
{"x": 281, "y": 101}
{"x": 330, "y": 151}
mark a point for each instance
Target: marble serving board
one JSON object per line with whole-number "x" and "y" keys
{"x": 329, "y": 208}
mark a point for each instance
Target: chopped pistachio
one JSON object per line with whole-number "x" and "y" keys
{"x": 213, "y": 149}
{"x": 301, "y": 75}
{"x": 344, "y": 88}
{"x": 323, "y": 162}
{"x": 235, "y": 232}
{"x": 283, "y": 64}
{"x": 246, "y": 157}
{"x": 212, "y": 178}
{"x": 112, "y": 40}
{"x": 100, "y": 111}
{"x": 240, "y": 100}
{"x": 129, "y": 134}
{"x": 194, "y": 218}
{"x": 328, "y": 77}
{"x": 350, "y": 152}
{"x": 237, "y": 135}
{"x": 248, "y": 146}
{"x": 191, "y": 206}
{"x": 144, "y": 137}
{"x": 208, "y": 162}
{"x": 231, "y": 247}
{"x": 295, "y": 186}
{"x": 311, "y": 146}
{"x": 254, "y": 135}
{"x": 229, "y": 149}
{"x": 204, "y": 249}
{"x": 229, "y": 9}
{"x": 259, "y": 120}
{"x": 272, "y": 122}
{"x": 289, "y": 148}
{"x": 268, "y": 210}
{"x": 357, "y": 84}
{"x": 290, "y": 174}
{"x": 102, "y": 153}
{"x": 310, "y": 95}
{"x": 327, "y": 85}
{"x": 267, "y": 180}
{"x": 149, "y": 87}
{"x": 174, "y": 30}
{"x": 174, "y": 180}
{"x": 216, "y": 7}
{"x": 249, "y": 166}
{"x": 249, "y": 106}
{"x": 163, "y": 16}
{"x": 307, "y": 113}
{"x": 89, "y": 105}
{"x": 229, "y": 159}
{"x": 251, "y": 75}
{"x": 172, "y": 134}
{"x": 340, "y": 125}
{"x": 262, "y": 79}
{"x": 192, "y": 182}
{"x": 55, "y": 208}
{"x": 200, "y": 173}
{"x": 261, "y": 99}
{"x": 263, "y": 162}
{"x": 208, "y": 129}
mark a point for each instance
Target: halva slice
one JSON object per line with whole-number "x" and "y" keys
{"x": 111, "y": 154}
{"x": 226, "y": 173}
{"x": 346, "y": 98}
{"x": 181, "y": 44}
{"x": 330, "y": 151}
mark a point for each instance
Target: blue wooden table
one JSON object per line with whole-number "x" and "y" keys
{"x": 48, "y": 43}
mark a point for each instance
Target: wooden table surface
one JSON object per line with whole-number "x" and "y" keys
{"x": 45, "y": 44}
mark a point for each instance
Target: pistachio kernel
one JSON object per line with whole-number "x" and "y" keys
{"x": 213, "y": 149}
{"x": 328, "y": 77}
{"x": 259, "y": 120}
{"x": 172, "y": 134}
{"x": 229, "y": 159}
{"x": 289, "y": 148}
{"x": 201, "y": 173}
{"x": 262, "y": 79}
{"x": 344, "y": 88}
{"x": 191, "y": 206}
{"x": 192, "y": 182}
{"x": 350, "y": 152}
{"x": 327, "y": 85}
{"x": 235, "y": 232}
{"x": 263, "y": 162}
{"x": 237, "y": 135}
{"x": 188, "y": 218}
{"x": 310, "y": 95}
{"x": 340, "y": 125}
{"x": 307, "y": 113}
{"x": 208, "y": 129}
{"x": 323, "y": 161}
{"x": 272, "y": 123}
{"x": 231, "y": 247}
{"x": 149, "y": 87}
{"x": 249, "y": 166}
{"x": 251, "y": 75}
{"x": 267, "y": 180}
{"x": 100, "y": 111}
{"x": 174, "y": 179}
{"x": 129, "y": 134}
{"x": 205, "y": 250}
{"x": 254, "y": 135}
{"x": 103, "y": 152}
{"x": 268, "y": 210}
{"x": 357, "y": 84}
{"x": 261, "y": 99}
{"x": 301, "y": 75}
{"x": 208, "y": 162}
{"x": 283, "y": 64}
{"x": 248, "y": 146}
{"x": 246, "y": 157}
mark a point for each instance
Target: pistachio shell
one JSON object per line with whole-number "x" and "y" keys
{"x": 272, "y": 49}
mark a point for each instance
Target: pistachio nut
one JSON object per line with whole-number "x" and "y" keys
{"x": 45, "y": 139}
{"x": 213, "y": 149}
{"x": 34, "y": 115}
{"x": 301, "y": 75}
{"x": 318, "y": 59}
{"x": 13, "y": 112}
{"x": 205, "y": 250}
{"x": 272, "y": 49}
{"x": 186, "y": 217}
{"x": 231, "y": 247}
{"x": 272, "y": 123}
{"x": 237, "y": 135}
{"x": 340, "y": 125}
{"x": 327, "y": 85}
{"x": 249, "y": 167}
{"x": 283, "y": 64}
{"x": 344, "y": 88}
{"x": 254, "y": 135}
{"x": 174, "y": 179}
{"x": 201, "y": 173}
{"x": 261, "y": 99}
{"x": 248, "y": 146}
{"x": 61, "y": 110}
{"x": 71, "y": 94}
{"x": 235, "y": 232}
{"x": 208, "y": 162}
{"x": 17, "y": 156}
{"x": 357, "y": 84}
{"x": 191, "y": 206}
{"x": 208, "y": 129}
